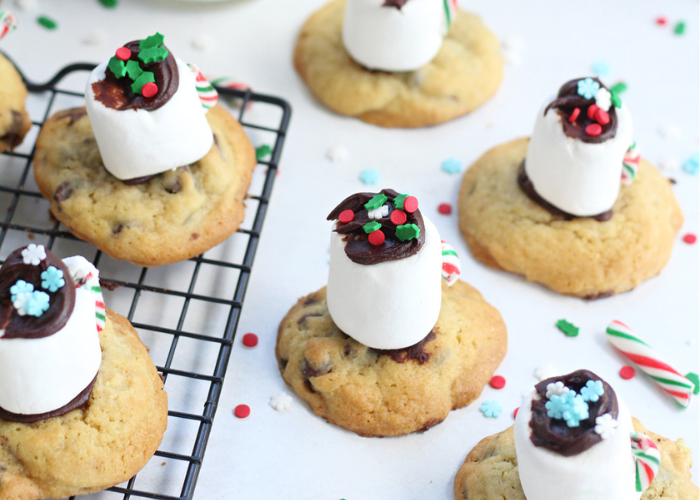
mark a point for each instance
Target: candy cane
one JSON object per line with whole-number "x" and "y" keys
{"x": 646, "y": 460}
{"x": 451, "y": 267}
{"x": 8, "y": 23}
{"x": 230, "y": 83}
{"x": 208, "y": 95}
{"x": 630, "y": 164}
{"x": 450, "y": 7}
{"x": 668, "y": 378}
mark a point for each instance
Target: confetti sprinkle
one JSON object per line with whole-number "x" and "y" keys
{"x": 594, "y": 129}
{"x": 602, "y": 116}
{"x": 250, "y": 340}
{"x": 690, "y": 238}
{"x": 692, "y": 164}
{"x": 410, "y": 204}
{"x": 346, "y": 216}
{"x": 498, "y": 382}
{"x": 679, "y": 28}
{"x": 567, "y": 328}
{"x": 370, "y": 176}
{"x": 515, "y": 412}
{"x": 110, "y": 4}
{"x": 242, "y": 411}
{"x": 149, "y": 90}
{"x": 47, "y": 22}
{"x": 661, "y": 21}
{"x": 281, "y": 403}
{"x": 376, "y": 238}
{"x": 695, "y": 379}
{"x": 591, "y": 111}
{"x": 574, "y": 115}
{"x": 262, "y": 151}
{"x": 337, "y": 154}
{"x": 627, "y": 372}
{"x": 123, "y": 54}
{"x": 452, "y": 166}
{"x": 601, "y": 68}
{"x": 203, "y": 42}
{"x": 398, "y": 217}
{"x": 491, "y": 409}
{"x": 445, "y": 208}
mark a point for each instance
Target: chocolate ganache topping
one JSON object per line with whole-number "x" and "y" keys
{"x": 394, "y": 3}
{"x": 569, "y": 100}
{"x": 61, "y": 301}
{"x": 555, "y": 434}
{"x": 117, "y": 91}
{"x": 400, "y": 224}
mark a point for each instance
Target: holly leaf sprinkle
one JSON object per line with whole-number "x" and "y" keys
{"x": 117, "y": 67}
{"x": 151, "y": 41}
{"x": 144, "y": 78}
{"x": 398, "y": 201}
{"x": 371, "y": 227}
{"x": 377, "y": 201}
{"x": 407, "y": 232}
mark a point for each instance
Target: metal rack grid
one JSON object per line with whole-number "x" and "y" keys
{"x": 196, "y": 426}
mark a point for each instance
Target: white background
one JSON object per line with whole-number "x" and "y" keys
{"x": 299, "y": 455}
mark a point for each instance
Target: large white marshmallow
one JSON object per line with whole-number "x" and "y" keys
{"x": 42, "y": 375}
{"x": 389, "y": 39}
{"x": 603, "y": 472}
{"x": 577, "y": 177}
{"x": 137, "y": 143}
{"x": 390, "y": 305}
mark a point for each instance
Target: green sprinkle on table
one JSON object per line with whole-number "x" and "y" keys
{"x": 262, "y": 151}
{"x": 618, "y": 88}
{"x": 110, "y": 4}
{"x": 695, "y": 379}
{"x": 567, "y": 328}
{"x": 47, "y": 22}
{"x": 679, "y": 29}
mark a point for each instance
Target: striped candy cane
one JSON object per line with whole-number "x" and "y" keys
{"x": 451, "y": 267}
{"x": 668, "y": 378}
{"x": 230, "y": 83}
{"x": 647, "y": 459}
{"x": 8, "y": 23}
{"x": 630, "y": 164}
{"x": 208, "y": 95}
{"x": 450, "y": 7}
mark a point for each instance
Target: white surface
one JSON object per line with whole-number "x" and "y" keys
{"x": 270, "y": 454}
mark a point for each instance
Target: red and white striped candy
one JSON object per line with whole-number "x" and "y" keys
{"x": 630, "y": 164}
{"x": 450, "y": 7}
{"x": 208, "y": 95}
{"x": 8, "y": 23}
{"x": 451, "y": 267}
{"x": 91, "y": 283}
{"x": 647, "y": 459}
{"x": 639, "y": 352}
{"x": 230, "y": 83}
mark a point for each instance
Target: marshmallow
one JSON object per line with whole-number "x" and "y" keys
{"x": 137, "y": 143}
{"x": 42, "y": 375}
{"x": 603, "y": 472}
{"x": 393, "y": 39}
{"x": 390, "y": 305}
{"x": 579, "y": 178}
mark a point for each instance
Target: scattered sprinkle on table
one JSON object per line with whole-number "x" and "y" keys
{"x": 491, "y": 409}
{"x": 250, "y": 340}
{"x": 370, "y": 176}
{"x": 546, "y": 371}
{"x": 242, "y": 411}
{"x": 618, "y": 88}
{"x": 670, "y": 164}
{"x": 452, "y": 166}
{"x": 515, "y": 413}
{"x": 670, "y": 131}
{"x": 692, "y": 164}
{"x": 337, "y": 154}
{"x": 690, "y": 238}
{"x": 262, "y": 151}
{"x": 567, "y": 328}
{"x": 601, "y": 68}
{"x": 679, "y": 28}
{"x": 661, "y": 21}
{"x": 695, "y": 379}
{"x": 627, "y": 372}
{"x": 498, "y": 382}
{"x": 281, "y": 403}
{"x": 47, "y": 22}
{"x": 26, "y": 5}
{"x": 203, "y": 42}
{"x": 110, "y": 4}
{"x": 445, "y": 208}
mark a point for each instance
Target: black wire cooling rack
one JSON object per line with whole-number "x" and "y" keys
{"x": 192, "y": 356}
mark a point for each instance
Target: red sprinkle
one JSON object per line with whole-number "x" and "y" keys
{"x": 627, "y": 372}
{"x": 398, "y": 217}
{"x": 123, "y": 53}
{"x": 376, "y": 237}
{"x": 445, "y": 208}
{"x": 149, "y": 90}
{"x": 515, "y": 413}
{"x": 592, "y": 109}
{"x": 594, "y": 129}
{"x": 410, "y": 204}
{"x": 602, "y": 117}
{"x": 498, "y": 382}
{"x": 574, "y": 115}
{"x": 242, "y": 411}
{"x": 661, "y": 21}
{"x": 250, "y": 340}
{"x": 690, "y": 238}
{"x": 346, "y": 216}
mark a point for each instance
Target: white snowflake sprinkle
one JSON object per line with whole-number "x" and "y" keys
{"x": 603, "y": 99}
{"x": 378, "y": 213}
{"x": 33, "y": 254}
{"x": 670, "y": 164}
{"x": 26, "y": 5}
{"x": 605, "y": 426}
{"x": 556, "y": 389}
{"x": 203, "y": 42}
{"x": 511, "y": 49}
{"x": 281, "y": 402}
{"x": 546, "y": 371}
{"x": 337, "y": 154}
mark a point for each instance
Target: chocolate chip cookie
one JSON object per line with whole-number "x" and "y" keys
{"x": 389, "y": 393}
{"x": 14, "y": 120}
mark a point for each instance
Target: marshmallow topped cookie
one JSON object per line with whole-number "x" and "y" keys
{"x": 51, "y": 311}
{"x": 575, "y": 158}
{"x": 146, "y": 112}
{"x": 396, "y": 35}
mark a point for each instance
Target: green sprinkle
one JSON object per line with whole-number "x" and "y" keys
{"x": 679, "y": 29}
{"x": 407, "y": 231}
{"x": 377, "y": 201}
{"x": 568, "y": 328}
{"x": 262, "y": 151}
{"x": 110, "y": 4}
{"x": 695, "y": 379}
{"x": 152, "y": 41}
{"x": 618, "y": 88}
{"x": 133, "y": 69}
{"x": 142, "y": 80}
{"x": 371, "y": 227}
{"x": 615, "y": 99}
{"x": 153, "y": 54}
{"x": 47, "y": 22}
{"x": 398, "y": 201}
{"x": 117, "y": 67}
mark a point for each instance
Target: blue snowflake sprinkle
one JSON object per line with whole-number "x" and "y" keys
{"x": 370, "y": 176}
{"x": 557, "y": 405}
{"x": 578, "y": 410}
{"x": 601, "y": 68}
{"x": 491, "y": 409}
{"x": 692, "y": 164}
{"x": 592, "y": 391}
{"x": 452, "y": 166}
{"x": 588, "y": 88}
{"x": 37, "y": 304}
{"x": 21, "y": 287}
{"x": 52, "y": 279}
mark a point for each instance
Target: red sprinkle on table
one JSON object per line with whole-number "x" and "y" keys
{"x": 250, "y": 340}
{"x": 690, "y": 238}
{"x": 410, "y": 204}
{"x": 123, "y": 53}
{"x": 498, "y": 382}
{"x": 594, "y": 129}
{"x": 602, "y": 117}
{"x": 346, "y": 216}
{"x": 592, "y": 109}
{"x": 445, "y": 208}
{"x": 627, "y": 372}
{"x": 398, "y": 217}
{"x": 574, "y": 115}
{"x": 376, "y": 237}
{"x": 242, "y": 411}
{"x": 515, "y": 413}
{"x": 661, "y": 21}
{"x": 149, "y": 90}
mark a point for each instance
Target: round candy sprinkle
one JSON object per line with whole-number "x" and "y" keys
{"x": 574, "y": 115}
{"x": 445, "y": 208}
{"x": 515, "y": 413}
{"x": 627, "y": 372}
{"x": 149, "y": 90}
{"x": 123, "y": 53}
{"x": 594, "y": 129}
{"x": 250, "y": 340}
{"x": 410, "y": 204}
{"x": 592, "y": 109}
{"x": 346, "y": 216}
{"x": 498, "y": 382}
{"x": 690, "y": 238}
{"x": 242, "y": 411}
{"x": 661, "y": 21}
{"x": 398, "y": 217}
{"x": 376, "y": 237}
{"x": 602, "y": 117}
